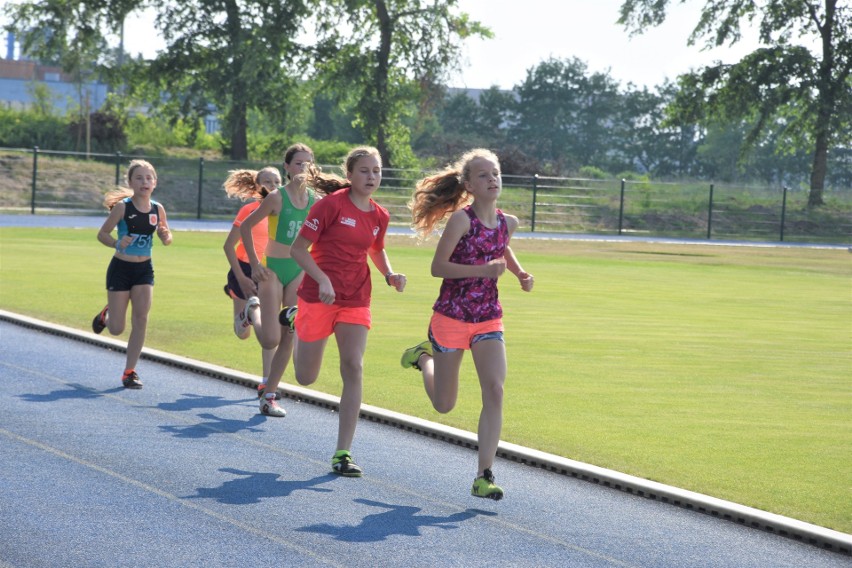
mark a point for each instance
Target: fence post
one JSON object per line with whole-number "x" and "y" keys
{"x": 621, "y": 207}
{"x": 535, "y": 199}
{"x": 710, "y": 213}
{"x": 783, "y": 212}
{"x": 35, "y": 174}
{"x": 118, "y": 168}
{"x": 200, "y": 184}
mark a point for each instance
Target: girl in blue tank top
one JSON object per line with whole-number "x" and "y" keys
{"x": 130, "y": 275}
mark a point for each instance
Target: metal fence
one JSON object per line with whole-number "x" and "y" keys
{"x": 36, "y": 181}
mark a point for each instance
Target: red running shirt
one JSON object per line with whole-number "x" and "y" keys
{"x": 342, "y": 235}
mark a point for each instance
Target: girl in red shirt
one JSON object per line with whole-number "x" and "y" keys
{"x": 342, "y": 230}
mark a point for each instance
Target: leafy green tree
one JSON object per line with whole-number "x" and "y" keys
{"x": 482, "y": 115}
{"x": 232, "y": 55}
{"x": 68, "y": 33}
{"x": 227, "y": 55}
{"x": 646, "y": 140}
{"x": 564, "y": 115}
{"x": 782, "y": 83}
{"x": 379, "y": 55}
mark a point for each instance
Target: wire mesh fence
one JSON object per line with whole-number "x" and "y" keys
{"x": 43, "y": 182}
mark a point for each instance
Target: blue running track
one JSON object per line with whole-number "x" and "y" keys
{"x": 185, "y": 473}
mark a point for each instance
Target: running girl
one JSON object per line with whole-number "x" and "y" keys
{"x": 342, "y": 230}
{"x": 277, "y": 275}
{"x": 472, "y": 253}
{"x": 252, "y": 186}
{"x": 130, "y": 275}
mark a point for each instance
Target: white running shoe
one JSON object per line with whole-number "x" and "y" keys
{"x": 253, "y": 303}
{"x": 243, "y": 320}
{"x": 270, "y": 407}
{"x": 241, "y": 326}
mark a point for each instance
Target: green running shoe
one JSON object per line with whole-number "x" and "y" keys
{"x": 484, "y": 487}
{"x": 411, "y": 356}
{"x": 342, "y": 464}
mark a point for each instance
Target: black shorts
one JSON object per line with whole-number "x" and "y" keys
{"x": 233, "y": 285}
{"x": 121, "y": 275}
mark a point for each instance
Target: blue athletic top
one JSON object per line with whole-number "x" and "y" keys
{"x": 141, "y": 226}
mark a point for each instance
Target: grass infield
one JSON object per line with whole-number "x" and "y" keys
{"x": 719, "y": 369}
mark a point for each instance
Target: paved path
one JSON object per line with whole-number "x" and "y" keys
{"x": 186, "y": 473}
{"x": 94, "y": 222}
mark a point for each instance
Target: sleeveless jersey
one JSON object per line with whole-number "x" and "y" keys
{"x": 259, "y": 233}
{"x": 474, "y": 300}
{"x": 285, "y": 226}
{"x": 141, "y": 226}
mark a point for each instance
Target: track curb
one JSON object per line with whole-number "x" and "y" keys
{"x": 827, "y": 539}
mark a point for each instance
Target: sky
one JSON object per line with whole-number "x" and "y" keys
{"x": 527, "y": 32}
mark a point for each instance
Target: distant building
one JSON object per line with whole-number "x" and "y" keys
{"x": 17, "y": 76}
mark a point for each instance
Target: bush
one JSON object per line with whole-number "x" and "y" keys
{"x": 106, "y": 131}
{"x": 591, "y": 172}
{"x": 25, "y": 129}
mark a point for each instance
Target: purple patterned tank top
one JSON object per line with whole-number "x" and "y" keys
{"x": 474, "y": 300}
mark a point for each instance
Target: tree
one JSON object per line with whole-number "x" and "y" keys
{"x": 382, "y": 54}
{"x": 565, "y": 115}
{"x": 227, "y": 55}
{"x": 232, "y": 55}
{"x": 647, "y": 139}
{"x": 781, "y": 81}
{"x": 68, "y": 33}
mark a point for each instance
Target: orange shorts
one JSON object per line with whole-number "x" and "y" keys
{"x": 453, "y": 334}
{"x": 315, "y": 320}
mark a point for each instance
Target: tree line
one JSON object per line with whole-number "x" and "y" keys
{"x": 375, "y": 71}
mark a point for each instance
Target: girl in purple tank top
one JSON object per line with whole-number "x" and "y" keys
{"x": 472, "y": 253}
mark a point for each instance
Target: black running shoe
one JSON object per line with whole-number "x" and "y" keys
{"x": 99, "y": 323}
{"x": 287, "y": 317}
{"x": 131, "y": 380}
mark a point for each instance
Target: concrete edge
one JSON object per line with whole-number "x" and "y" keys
{"x": 827, "y": 539}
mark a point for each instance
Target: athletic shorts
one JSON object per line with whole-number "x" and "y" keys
{"x": 286, "y": 269}
{"x": 448, "y": 334}
{"x": 315, "y": 320}
{"x": 122, "y": 275}
{"x": 234, "y": 289}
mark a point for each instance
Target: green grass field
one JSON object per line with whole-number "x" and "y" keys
{"x": 723, "y": 370}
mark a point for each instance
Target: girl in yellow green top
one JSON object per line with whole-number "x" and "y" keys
{"x": 277, "y": 275}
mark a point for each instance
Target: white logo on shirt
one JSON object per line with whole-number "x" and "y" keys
{"x": 375, "y": 231}
{"x": 132, "y": 216}
{"x": 312, "y": 224}
{"x": 348, "y": 221}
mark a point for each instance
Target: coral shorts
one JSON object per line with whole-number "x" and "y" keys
{"x": 315, "y": 320}
{"x": 448, "y": 334}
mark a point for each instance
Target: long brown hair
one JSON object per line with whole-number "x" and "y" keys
{"x": 438, "y": 196}
{"x": 243, "y": 184}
